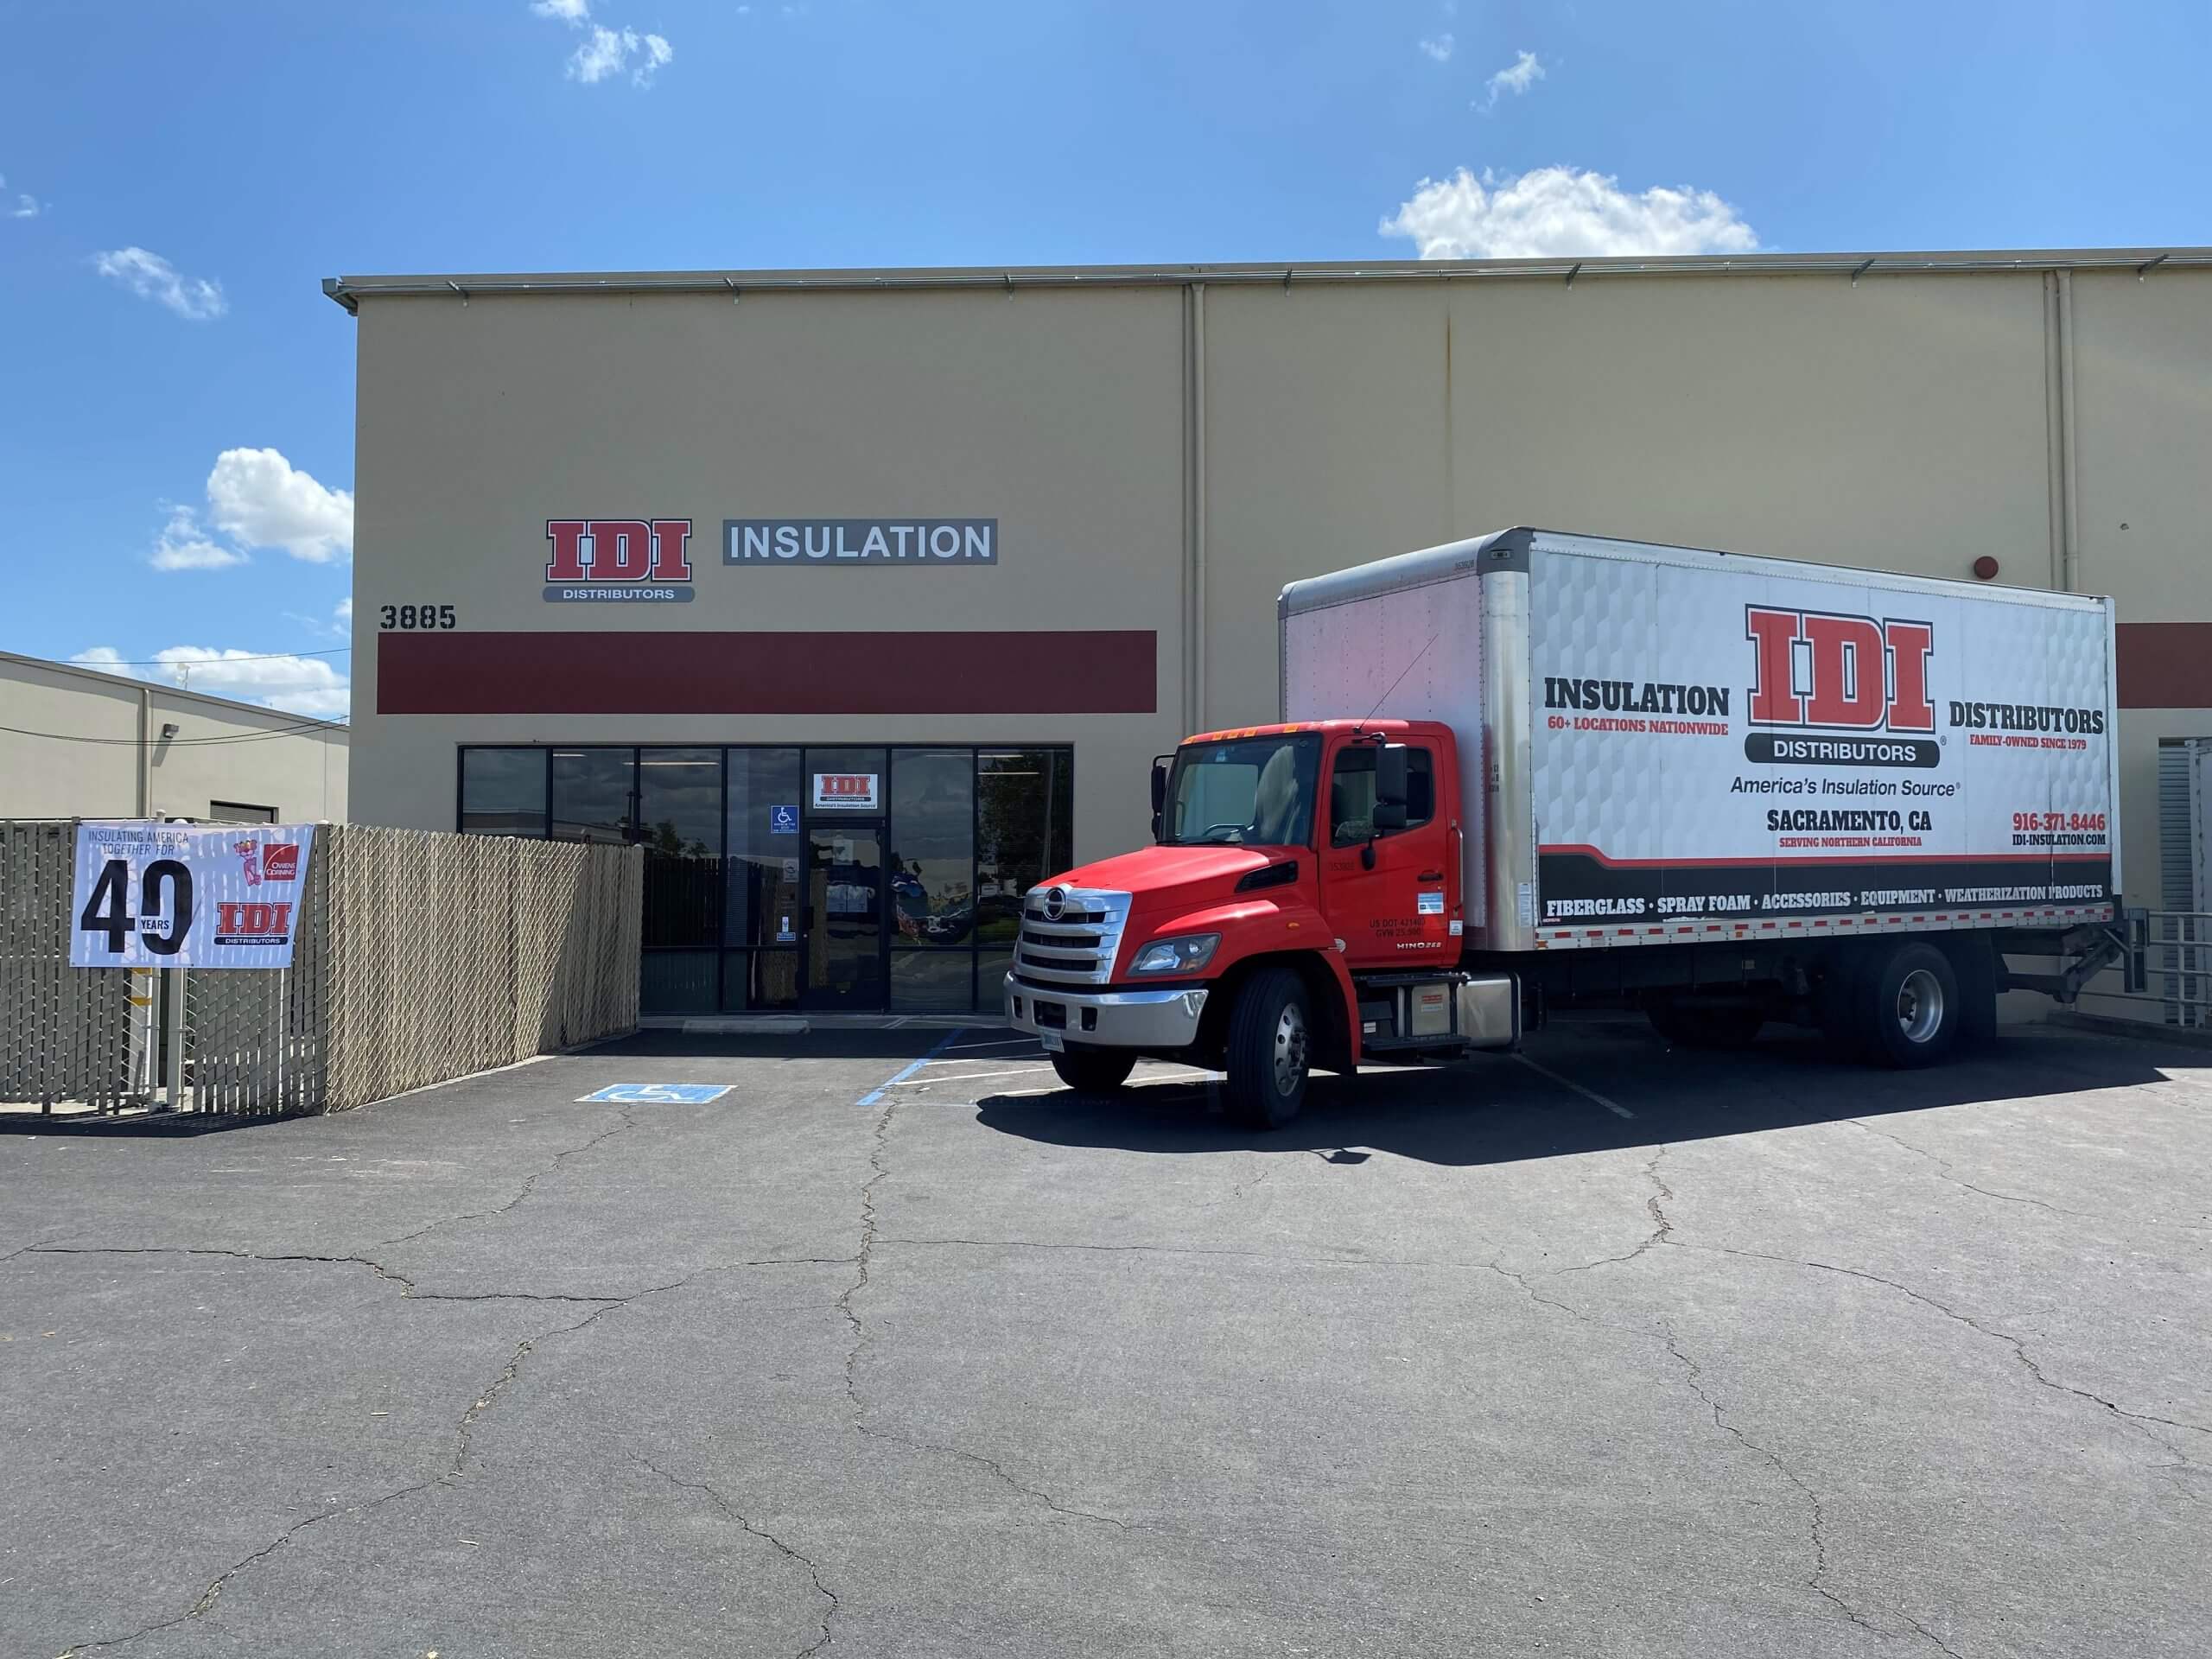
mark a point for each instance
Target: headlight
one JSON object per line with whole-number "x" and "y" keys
{"x": 1184, "y": 956}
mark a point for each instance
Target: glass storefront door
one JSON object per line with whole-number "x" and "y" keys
{"x": 846, "y": 890}
{"x": 844, "y": 915}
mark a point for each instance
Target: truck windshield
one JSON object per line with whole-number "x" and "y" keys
{"x": 1246, "y": 792}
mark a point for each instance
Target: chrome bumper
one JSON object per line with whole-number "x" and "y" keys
{"x": 1147, "y": 1020}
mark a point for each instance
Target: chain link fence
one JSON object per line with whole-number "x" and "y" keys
{"x": 417, "y": 957}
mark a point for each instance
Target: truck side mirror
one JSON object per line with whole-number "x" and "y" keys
{"x": 1159, "y": 794}
{"x": 1391, "y": 787}
{"x": 1389, "y": 815}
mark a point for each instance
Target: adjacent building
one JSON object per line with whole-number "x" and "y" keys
{"x": 75, "y": 743}
{"x": 866, "y": 598}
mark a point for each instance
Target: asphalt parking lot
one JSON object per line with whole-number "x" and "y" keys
{"x": 1608, "y": 1350}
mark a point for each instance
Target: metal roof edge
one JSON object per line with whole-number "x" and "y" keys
{"x": 348, "y": 291}
{"x": 305, "y": 726}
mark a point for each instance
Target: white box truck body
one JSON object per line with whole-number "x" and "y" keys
{"x": 1677, "y": 745}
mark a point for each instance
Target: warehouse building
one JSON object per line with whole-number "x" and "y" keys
{"x": 865, "y": 598}
{"x": 76, "y": 743}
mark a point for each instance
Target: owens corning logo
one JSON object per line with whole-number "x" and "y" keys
{"x": 1824, "y": 671}
{"x": 619, "y": 559}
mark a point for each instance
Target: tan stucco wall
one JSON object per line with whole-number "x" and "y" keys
{"x": 95, "y": 773}
{"x": 1904, "y": 422}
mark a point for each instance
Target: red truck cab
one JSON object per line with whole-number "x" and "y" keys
{"x": 1301, "y": 907}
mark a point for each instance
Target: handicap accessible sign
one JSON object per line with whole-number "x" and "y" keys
{"x": 783, "y": 820}
{"x": 661, "y": 1094}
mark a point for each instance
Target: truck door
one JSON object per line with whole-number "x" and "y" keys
{"x": 1396, "y": 914}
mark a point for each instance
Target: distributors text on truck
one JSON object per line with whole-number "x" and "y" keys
{"x": 1536, "y": 770}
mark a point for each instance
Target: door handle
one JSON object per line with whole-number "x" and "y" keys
{"x": 1430, "y": 875}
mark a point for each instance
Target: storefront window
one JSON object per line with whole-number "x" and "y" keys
{"x": 503, "y": 792}
{"x": 680, "y": 801}
{"x": 763, "y": 848}
{"x": 1024, "y": 832}
{"x": 932, "y": 845}
{"x": 804, "y": 878}
{"x": 591, "y": 794}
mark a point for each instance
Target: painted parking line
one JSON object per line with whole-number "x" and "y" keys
{"x": 965, "y": 1077}
{"x": 1612, "y": 1106}
{"x": 874, "y": 1097}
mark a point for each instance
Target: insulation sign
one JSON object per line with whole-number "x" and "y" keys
{"x": 1736, "y": 744}
{"x": 176, "y": 895}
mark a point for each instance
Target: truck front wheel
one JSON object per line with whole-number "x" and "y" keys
{"x": 1909, "y": 1007}
{"x": 1094, "y": 1071}
{"x": 1270, "y": 1036}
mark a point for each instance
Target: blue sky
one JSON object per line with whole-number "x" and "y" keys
{"x": 177, "y": 441}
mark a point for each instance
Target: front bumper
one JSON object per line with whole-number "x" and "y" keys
{"x": 1146, "y": 1019}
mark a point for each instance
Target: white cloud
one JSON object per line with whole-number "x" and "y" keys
{"x": 182, "y": 545}
{"x": 1560, "y": 211}
{"x": 574, "y": 13}
{"x": 344, "y": 612}
{"x": 304, "y": 685}
{"x": 1437, "y": 48}
{"x": 263, "y": 500}
{"x": 27, "y": 206}
{"x": 152, "y": 277}
{"x": 300, "y": 685}
{"x": 610, "y": 51}
{"x": 1515, "y": 78}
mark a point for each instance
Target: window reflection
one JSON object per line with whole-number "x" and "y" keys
{"x": 932, "y": 845}
{"x": 591, "y": 794}
{"x": 764, "y": 851}
{"x": 1023, "y": 832}
{"x": 503, "y": 792}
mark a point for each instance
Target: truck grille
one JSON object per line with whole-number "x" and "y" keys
{"x": 1070, "y": 935}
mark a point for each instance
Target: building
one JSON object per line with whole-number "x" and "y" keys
{"x": 913, "y": 572}
{"x": 75, "y": 743}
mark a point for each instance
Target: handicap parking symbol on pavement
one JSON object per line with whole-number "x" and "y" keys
{"x": 661, "y": 1094}
{"x": 783, "y": 820}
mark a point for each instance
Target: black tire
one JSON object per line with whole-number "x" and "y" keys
{"x": 1268, "y": 1057}
{"x": 1909, "y": 1007}
{"x": 1094, "y": 1071}
{"x": 1706, "y": 1027}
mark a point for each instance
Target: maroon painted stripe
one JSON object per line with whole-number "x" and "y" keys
{"x": 1054, "y": 672}
{"x": 2165, "y": 665}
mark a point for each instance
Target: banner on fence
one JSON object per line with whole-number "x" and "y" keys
{"x": 178, "y": 895}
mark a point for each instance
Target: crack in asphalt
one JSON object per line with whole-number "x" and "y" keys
{"x": 464, "y": 1429}
{"x": 879, "y": 1171}
{"x": 813, "y": 1571}
{"x": 1943, "y": 1170}
{"x": 529, "y": 1185}
{"x": 1816, "y": 1512}
{"x": 2017, "y": 1344}
{"x": 1662, "y": 1228}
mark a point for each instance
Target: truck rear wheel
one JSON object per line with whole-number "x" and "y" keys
{"x": 1270, "y": 1035}
{"x": 1094, "y": 1071}
{"x": 1907, "y": 1006}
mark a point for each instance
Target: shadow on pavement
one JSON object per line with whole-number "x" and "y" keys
{"x": 1497, "y": 1109}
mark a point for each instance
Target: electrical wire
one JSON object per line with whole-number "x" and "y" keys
{"x": 308, "y": 725}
